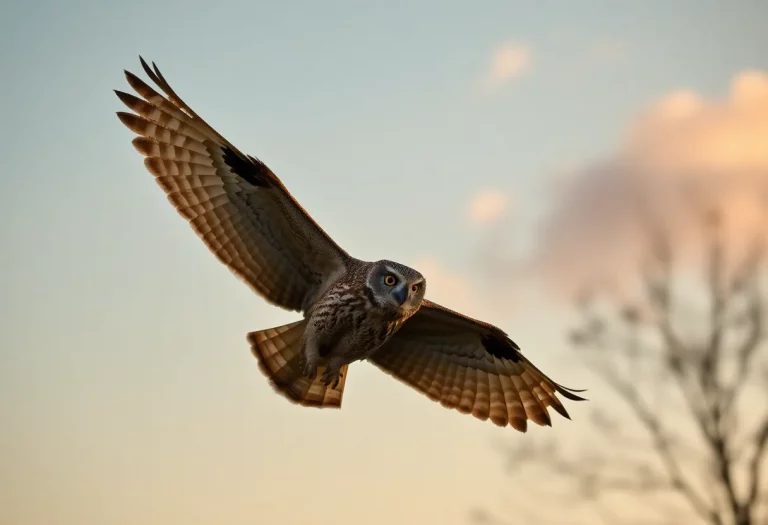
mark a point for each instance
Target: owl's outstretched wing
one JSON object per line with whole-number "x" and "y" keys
{"x": 234, "y": 202}
{"x": 470, "y": 366}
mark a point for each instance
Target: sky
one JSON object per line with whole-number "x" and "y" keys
{"x": 128, "y": 393}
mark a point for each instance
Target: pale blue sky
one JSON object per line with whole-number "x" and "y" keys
{"x": 127, "y": 390}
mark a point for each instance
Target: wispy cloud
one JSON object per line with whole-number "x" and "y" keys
{"x": 486, "y": 207}
{"x": 508, "y": 62}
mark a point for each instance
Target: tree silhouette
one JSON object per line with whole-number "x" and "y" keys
{"x": 687, "y": 364}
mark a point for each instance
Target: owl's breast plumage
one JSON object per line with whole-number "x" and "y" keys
{"x": 351, "y": 322}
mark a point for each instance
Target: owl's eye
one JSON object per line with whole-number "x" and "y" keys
{"x": 415, "y": 288}
{"x": 390, "y": 280}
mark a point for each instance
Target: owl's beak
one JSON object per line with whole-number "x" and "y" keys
{"x": 401, "y": 294}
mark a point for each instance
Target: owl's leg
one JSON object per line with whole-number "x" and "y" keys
{"x": 310, "y": 355}
{"x": 332, "y": 374}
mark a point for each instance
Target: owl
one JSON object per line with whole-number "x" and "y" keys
{"x": 351, "y": 309}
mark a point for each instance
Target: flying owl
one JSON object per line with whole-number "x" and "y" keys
{"x": 352, "y": 309}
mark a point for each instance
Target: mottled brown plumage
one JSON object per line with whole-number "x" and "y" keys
{"x": 353, "y": 310}
{"x": 356, "y": 315}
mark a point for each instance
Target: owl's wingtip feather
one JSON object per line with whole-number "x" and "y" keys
{"x": 519, "y": 424}
{"x": 568, "y": 393}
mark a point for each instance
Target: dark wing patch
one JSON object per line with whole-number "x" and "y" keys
{"x": 501, "y": 347}
{"x": 251, "y": 170}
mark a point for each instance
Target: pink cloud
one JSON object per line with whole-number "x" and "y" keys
{"x": 682, "y": 151}
{"x": 487, "y": 207}
{"x": 508, "y": 62}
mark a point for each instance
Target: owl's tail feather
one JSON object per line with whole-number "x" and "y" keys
{"x": 278, "y": 351}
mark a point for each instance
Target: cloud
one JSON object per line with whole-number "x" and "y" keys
{"x": 508, "y": 62}
{"x": 487, "y": 207}
{"x": 681, "y": 152}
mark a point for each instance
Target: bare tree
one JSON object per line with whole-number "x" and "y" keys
{"x": 687, "y": 367}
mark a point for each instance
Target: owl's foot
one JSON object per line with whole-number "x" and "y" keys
{"x": 331, "y": 377}
{"x": 308, "y": 367}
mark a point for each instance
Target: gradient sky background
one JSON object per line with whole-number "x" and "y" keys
{"x": 127, "y": 390}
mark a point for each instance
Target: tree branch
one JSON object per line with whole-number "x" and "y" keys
{"x": 746, "y": 281}
{"x": 761, "y": 450}
{"x": 661, "y": 444}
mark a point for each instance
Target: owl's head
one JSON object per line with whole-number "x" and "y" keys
{"x": 396, "y": 287}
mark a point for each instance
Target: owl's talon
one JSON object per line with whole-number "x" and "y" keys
{"x": 331, "y": 378}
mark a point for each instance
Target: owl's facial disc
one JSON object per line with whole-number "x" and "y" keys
{"x": 399, "y": 289}
{"x": 406, "y": 290}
